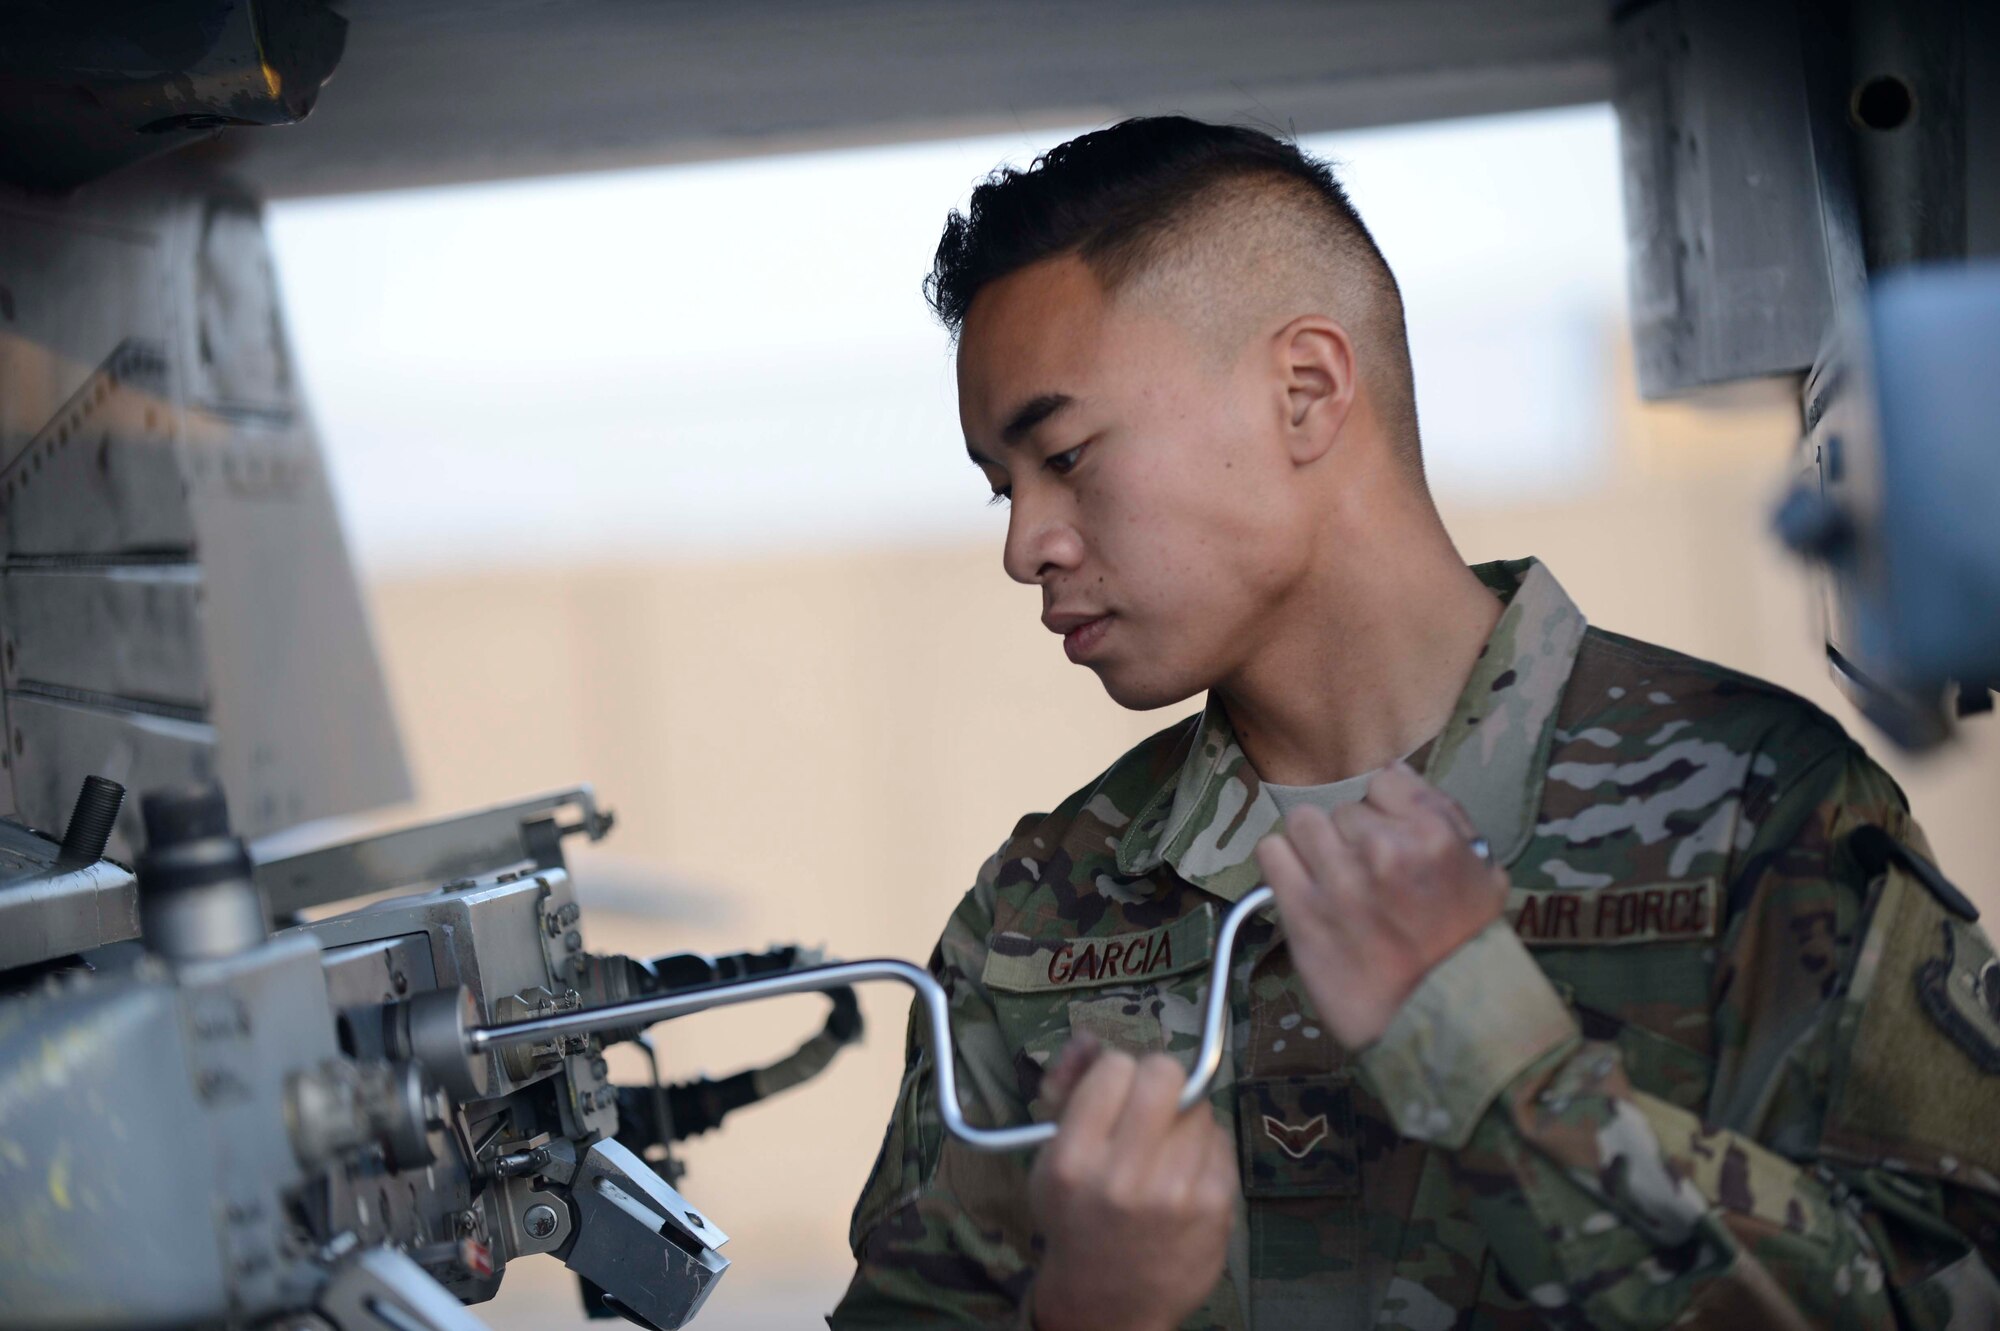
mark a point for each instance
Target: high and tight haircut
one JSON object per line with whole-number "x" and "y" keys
{"x": 1119, "y": 198}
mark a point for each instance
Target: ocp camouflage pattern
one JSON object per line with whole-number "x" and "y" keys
{"x": 1695, "y": 1079}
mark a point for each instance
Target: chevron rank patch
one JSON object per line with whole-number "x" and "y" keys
{"x": 1296, "y": 1137}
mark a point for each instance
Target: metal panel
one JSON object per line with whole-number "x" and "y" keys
{"x": 1743, "y": 248}
{"x": 58, "y": 742}
{"x": 454, "y": 90}
{"x": 297, "y": 691}
{"x": 131, "y": 630}
{"x": 465, "y": 846}
{"x": 173, "y": 554}
{"x": 51, "y": 910}
{"x": 71, "y": 289}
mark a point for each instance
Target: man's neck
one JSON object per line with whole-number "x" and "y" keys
{"x": 1367, "y": 667}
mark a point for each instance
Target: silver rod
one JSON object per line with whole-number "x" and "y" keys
{"x": 937, "y": 1014}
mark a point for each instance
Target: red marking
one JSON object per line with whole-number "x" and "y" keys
{"x": 475, "y": 1257}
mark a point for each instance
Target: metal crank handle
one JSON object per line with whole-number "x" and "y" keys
{"x": 646, "y": 1011}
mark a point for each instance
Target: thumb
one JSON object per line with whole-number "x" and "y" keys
{"x": 1059, "y": 1082}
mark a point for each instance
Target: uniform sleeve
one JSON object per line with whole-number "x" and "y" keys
{"x": 940, "y": 1235}
{"x": 1610, "y": 1207}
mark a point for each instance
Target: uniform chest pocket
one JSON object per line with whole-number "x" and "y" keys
{"x": 1139, "y": 992}
{"x": 1653, "y": 1003}
{"x": 1296, "y": 1136}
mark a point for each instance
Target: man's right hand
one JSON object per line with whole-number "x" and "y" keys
{"x": 1135, "y": 1196}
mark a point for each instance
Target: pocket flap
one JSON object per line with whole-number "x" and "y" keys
{"x": 1297, "y": 1137}
{"x": 1019, "y": 964}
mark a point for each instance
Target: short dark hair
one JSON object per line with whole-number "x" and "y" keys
{"x": 1106, "y": 195}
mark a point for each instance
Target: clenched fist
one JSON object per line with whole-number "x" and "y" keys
{"x": 1135, "y": 1196}
{"x": 1375, "y": 894}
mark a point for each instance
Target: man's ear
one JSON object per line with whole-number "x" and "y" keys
{"x": 1315, "y": 362}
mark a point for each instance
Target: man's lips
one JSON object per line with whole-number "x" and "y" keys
{"x": 1081, "y": 631}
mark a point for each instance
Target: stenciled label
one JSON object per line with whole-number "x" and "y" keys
{"x": 1609, "y": 916}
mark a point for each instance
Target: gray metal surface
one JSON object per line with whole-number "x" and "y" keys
{"x": 52, "y": 910}
{"x": 464, "y": 846}
{"x": 432, "y": 91}
{"x": 130, "y": 631}
{"x": 383, "y": 1290}
{"x": 507, "y": 944}
{"x": 937, "y": 1018}
{"x": 196, "y": 1139}
{"x": 59, "y": 738}
{"x": 1739, "y": 212}
{"x": 174, "y": 574}
{"x": 146, "y": 1118}
{"x": 623, "y": 1208}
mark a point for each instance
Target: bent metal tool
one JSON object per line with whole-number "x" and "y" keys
{"x": 646, "y": 1011}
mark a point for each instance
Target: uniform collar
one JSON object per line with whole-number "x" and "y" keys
{"x": 1490, "y": 755}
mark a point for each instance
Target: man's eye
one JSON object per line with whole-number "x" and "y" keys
{"x": 999, "y": 497}
{"x": 1064, "y": 462}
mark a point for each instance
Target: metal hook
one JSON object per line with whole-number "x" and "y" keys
{"x": 937, "y": 1013}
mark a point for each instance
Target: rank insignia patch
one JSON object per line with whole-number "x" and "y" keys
{"x": 1296, "y": 1142}
{"x": 1297, "y": 1136}
{"x": 1960, "y": 991}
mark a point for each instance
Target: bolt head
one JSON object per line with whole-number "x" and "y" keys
{"x": 539, "y": 1220}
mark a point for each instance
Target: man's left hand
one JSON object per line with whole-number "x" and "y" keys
{"x": 1375, "y": 894}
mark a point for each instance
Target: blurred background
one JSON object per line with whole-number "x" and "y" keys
{"x": 655, "y": 481}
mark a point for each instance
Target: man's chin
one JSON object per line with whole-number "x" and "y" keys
{"x": 1143, "y": 691}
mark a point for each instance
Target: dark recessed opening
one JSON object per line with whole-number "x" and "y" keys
{"x": 1884, "y": 103}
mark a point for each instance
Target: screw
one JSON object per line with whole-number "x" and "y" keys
{"x": 600, "y": 1068}
{"x": 694, "y": 1220}
{"x": 572, "y": 940}
{"x": 400, "y": 981}
{"x": 540, "y": 1220}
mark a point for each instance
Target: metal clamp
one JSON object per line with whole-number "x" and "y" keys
{"x": 937, "y": 1013}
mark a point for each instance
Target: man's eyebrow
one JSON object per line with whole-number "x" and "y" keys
{"x": 1034, "y": 413}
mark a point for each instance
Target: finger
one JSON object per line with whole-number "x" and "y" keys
{"x": 1140, "y": 1163}
{"x": 1183, "y": 1158}
{"x": 1312, "y": 910}
{"x": 1093, "y": 1109}
{"x": 1278, "y": 860}
{"x": 1150, "y": 1107}
{"x": 1302, "y": 908}
{"x": 1398, "y": 789}
{"x": 1328, "y": 857}
{"x": 1059, "y": 1081}
{"x": 1213, "y": 1183}
{"x": 1375, "y": 839}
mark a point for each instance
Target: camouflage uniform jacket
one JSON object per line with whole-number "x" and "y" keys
{"x": 1725, "y": 1063}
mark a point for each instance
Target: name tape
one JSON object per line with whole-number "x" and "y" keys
{"x": 1017, "y": 963}
{"x": 1611, "y": 916}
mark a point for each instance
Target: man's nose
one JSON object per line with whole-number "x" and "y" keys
{"x": 1040, "y": 543}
